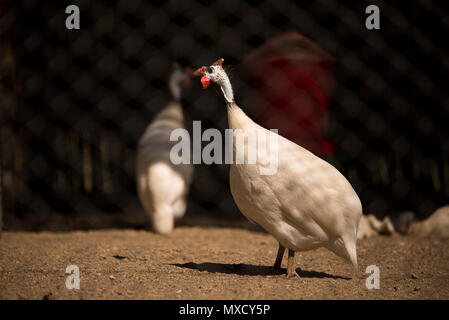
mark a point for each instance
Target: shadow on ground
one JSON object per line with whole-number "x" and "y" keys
{"x": 243, "y": 269}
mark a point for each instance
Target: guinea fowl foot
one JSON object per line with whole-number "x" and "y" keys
{"x": 291, "y": 272}
{"x": 280, "y": 255}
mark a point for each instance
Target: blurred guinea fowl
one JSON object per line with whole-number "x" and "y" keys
{"x": 371, "y": 226}
{"x": 402, "y": 221}
{"x": 163, "y": 186}
{"x": 437, "y": 225}
{"x": 305, "y": 205}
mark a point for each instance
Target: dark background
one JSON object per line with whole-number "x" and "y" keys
{"x": 75, "y": 102}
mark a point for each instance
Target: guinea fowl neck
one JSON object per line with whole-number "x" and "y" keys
{"x": 174, "y": 84}
{"x": 236, "y": 116}
{"x": 226, "y": 88}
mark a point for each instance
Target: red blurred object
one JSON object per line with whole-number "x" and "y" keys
{"x": 205, "y": 81}
{"x": 291, "y": 79}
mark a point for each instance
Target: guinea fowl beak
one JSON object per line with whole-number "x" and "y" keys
{"x": 200, "y": 71}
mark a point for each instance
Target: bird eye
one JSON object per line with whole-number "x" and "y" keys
{"x": 209, "y": 70}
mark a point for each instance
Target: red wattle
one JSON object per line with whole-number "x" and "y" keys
{"x": 205, "y": 81}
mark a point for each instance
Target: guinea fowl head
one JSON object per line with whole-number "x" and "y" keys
{"x": 179, "y": 78}
{"x": 217, "y": 74}
{"x": 403, "y": 221}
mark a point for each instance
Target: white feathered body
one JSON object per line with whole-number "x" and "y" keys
{"x": 162, "y": 186}
{"x": 436, "y": 225}
{"x": 306, "y": 204}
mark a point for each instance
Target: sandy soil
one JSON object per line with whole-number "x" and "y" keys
{"x": 211, "y": 263}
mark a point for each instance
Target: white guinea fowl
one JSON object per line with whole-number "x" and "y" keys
{"x": 305, "y": 205}
{"x": 162, "y": 186}
{"x": 437, "y": 225}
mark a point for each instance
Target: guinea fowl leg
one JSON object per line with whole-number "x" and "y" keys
{"x": 279, "y": 257}
{"x": 291, "y": 272}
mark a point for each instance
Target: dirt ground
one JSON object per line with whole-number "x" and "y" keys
{"x": 211, "y": 263}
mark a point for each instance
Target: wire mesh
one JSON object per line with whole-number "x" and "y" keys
{"x": 75, "y": 102}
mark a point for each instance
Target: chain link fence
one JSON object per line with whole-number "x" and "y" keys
{"x": 75, "y": 102}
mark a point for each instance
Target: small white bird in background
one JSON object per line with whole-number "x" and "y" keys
{"x": 163, "y": 186}
{"x": 305, "y": 205}
{"x": 437, "y": 225}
